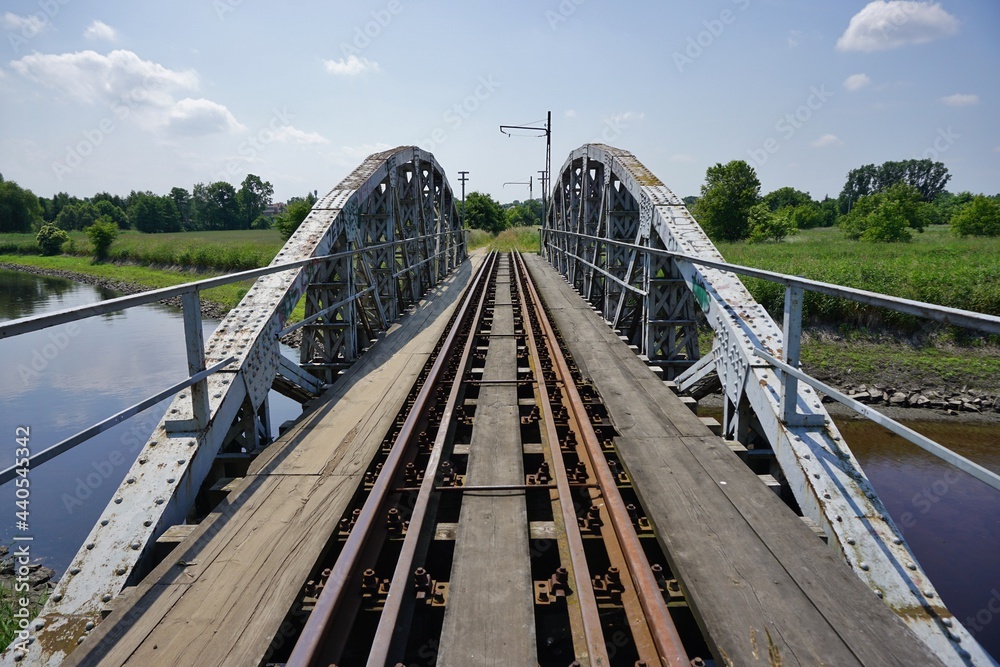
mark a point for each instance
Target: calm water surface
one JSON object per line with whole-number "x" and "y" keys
{"x": 61, "y": 380}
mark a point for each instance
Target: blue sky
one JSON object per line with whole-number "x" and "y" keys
{"x": 150, "y": 95}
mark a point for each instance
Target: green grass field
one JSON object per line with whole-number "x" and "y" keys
{"x": 936, "y": 267}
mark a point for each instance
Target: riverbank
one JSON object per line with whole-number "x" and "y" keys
{"x": 918, "y": 377}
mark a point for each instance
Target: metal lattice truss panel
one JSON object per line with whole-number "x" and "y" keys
{"x": 396, "y": 205}
{"x": 642, "y": 295}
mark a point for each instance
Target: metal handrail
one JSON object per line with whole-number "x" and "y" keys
{"x": 786, "y": 367}
{"x": 36, "y": 322}
{"x": 943, "y": 314}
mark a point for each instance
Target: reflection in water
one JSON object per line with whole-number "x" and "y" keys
{"x": 63, "y": 379}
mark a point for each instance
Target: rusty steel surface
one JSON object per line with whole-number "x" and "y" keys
{"x": 823, "y": 474}
{"x": 161, "y": 485}
{"x": 668, "y": 643}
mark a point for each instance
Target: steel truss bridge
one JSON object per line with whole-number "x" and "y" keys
{"x": 373, "y": 247}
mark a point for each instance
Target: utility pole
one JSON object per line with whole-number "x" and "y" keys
{"x": 463, "y": 176}
{"x": 547, "y": 133}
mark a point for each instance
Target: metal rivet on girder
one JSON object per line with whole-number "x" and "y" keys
{"x": 39, "y": 624}
{"x": 106, "y": 597}
{"x": 953, "y": 637}
{"x": 181, "y": 462}
{"x": 878, "y": 592}
{"x": 863, "y": 565}
{"x": 74, "y": 570}
{"x": 929, "y": 593}
{"x": 807, "y": 456}
{"x": 89, "y": 626}
{"x": 827, "y": 496}
{"x": 130, "y": 480}
{"x": 90, "y": 545}
{"x": 850, "y": 540}
{"x": 120, "y": 571}
{"x": 57, "y": 597}
{"x": 104, "y": 522}
{"x": 136, "y": 546}
{"x": 80, "y": 640}
{"x": 171, "y": 480}
{"x": 118, "y": 501}
{"x": 142, "y": 461}
{"x": 910, "y": 565}
{"x": 946, "y": 622}
{"x": 897, "y": 541}
{"x": 159, "y": 501}
{"x": 191, "y": 443}
{"x": 147, "y": 523}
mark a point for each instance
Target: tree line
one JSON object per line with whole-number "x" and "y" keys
{"x": 879, "y": 203}
{"x": 207, "y": 207}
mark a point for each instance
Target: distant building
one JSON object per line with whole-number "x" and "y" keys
{"x": 277, "y": 208}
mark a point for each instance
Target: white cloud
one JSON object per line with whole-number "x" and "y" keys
{"x": 290, "y": 133}
{"x": 627, "y": 116}
{"x": 960, "y": 100}
{"x": 28, "y": 26}
{"x": 101, "y": 30}
{"x": 856, "y": 82}
{"x": 351, "y": 155}
{"x": 570, "y": 113}
{"x": 794, "y": 38}
{"x": 145, "y": 92}
{"x": 683, "y": 158}
{"x": 884, "y": 25}
{"x": 826, "y": 141}
{"x": 352, "y": 66}
{"x": 200, "y": 116}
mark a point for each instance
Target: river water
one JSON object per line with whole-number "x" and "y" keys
{"x": 62, "y": 380}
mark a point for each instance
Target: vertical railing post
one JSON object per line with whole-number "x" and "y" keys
{"x": 792, "y": 336}
{"x": 195, "y": 342}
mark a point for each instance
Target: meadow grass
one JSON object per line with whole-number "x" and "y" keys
{"x": 523, "y": 239}
{"x": 936, "y": 267}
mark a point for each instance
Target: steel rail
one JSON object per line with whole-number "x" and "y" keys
{"x": 311, "y": 639}
{"x": 661, "y": 625}
{"x": 943, "y": 314}
{"x": 578, "y": 566}
{"x": 382, "y": 643}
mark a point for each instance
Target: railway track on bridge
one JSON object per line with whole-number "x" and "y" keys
{"x": 497, "y": 519}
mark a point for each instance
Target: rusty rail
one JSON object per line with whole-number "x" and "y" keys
{"x": 665, "y": 636}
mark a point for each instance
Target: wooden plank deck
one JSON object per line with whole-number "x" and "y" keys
{"x": 764, "y": 588}
{"x": 244, "y": 566}
{"x": 490, "y": 617}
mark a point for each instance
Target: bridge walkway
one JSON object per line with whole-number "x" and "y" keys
{"x": 767, "y": 591}
{"x": 221, "y": 596}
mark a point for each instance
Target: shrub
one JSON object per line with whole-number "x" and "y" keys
{"x": 767, "y": 226}
{"x": 979, "y": 217}
{"x": 887, "y": 216}
{"x": 102, "y": 234}
{"x": 51, "y": 239}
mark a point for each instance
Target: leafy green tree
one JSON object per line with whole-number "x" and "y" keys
{"x": 887, "y": 216}
{"x": 20, "y": 210}
{"x": 215, "y": 206}
{"x": 52, "y": 207}
{"x": 802, "y": 216}
{"x": 253, "y": 197}
{"x": 106, "y": 207}
{"x": 786, "y": 196}
{"x": 182, "y": 201}
{"x": 77, "y": 216}
{"x": 152, "y": 213}
{"x": 110, "y": 198}
{"x": 289, "y": 221}
{"x": 727, "y": 195}
{"x": 927, "y": 176}
{"x": 767, "y": 226}
{"x": 51, "y": 239}
{"x": 978, "y": 217}
{"x": 484, "y": 212}
{"x": 524, "y": 214}
{"x": 102, "y": 234}
{"x": 690, "y": 201}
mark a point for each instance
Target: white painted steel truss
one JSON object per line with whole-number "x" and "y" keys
{"x": 397, "y": 207}
{"x": 604, "y": 195}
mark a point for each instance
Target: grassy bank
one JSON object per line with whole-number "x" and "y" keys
{"x": 524, "y": 239}
{"x": 936, "y": 267}
{"x": 223, "y": 251}
{"x": 226, "y": 296}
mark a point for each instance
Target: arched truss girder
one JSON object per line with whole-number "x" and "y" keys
{"x": 606, "y": 192}
{"x": 399, "y": 197}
